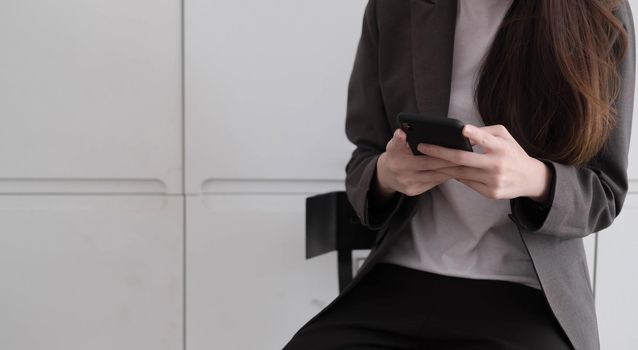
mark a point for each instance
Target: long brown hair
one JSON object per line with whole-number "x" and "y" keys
{"x": 551, "y": 76}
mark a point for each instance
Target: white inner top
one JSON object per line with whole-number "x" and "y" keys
{"x": 456, "y": 230}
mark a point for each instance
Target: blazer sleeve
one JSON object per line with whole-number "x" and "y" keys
{"x": 587, "y": 199}
{"x": 367, "y": 128}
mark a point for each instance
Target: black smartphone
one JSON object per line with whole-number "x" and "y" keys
{"x": 436, "y": 130}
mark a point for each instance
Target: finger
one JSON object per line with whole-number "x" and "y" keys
{"x": 477, "y": 186}
{"x": 398, "y": 143}
{"x": 394, "y": 144}
{"x": 498, "y": 130}
{"x": 464, "y": 132}
{"x": 425, "y": 162}
{"x": 404, "y": 141}
{"x": 481, "y": 137}
{"x": 401, "y": 134}
{"x": 437, "y": 177}
{"x": 467, "y": 173}
{"x": 428, "y": 177}
{"x": 456, "y": 156}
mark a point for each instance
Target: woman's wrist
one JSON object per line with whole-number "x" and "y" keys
{"x": 543, "y": 178}
{"x": 381, "y": 192}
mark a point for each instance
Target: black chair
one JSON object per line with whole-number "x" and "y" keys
{"x": 332, "y": 224}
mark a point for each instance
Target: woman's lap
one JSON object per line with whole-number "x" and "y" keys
{"x": 399, "y": 308}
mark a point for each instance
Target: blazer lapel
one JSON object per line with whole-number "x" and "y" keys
{"x": 433, "y": 26}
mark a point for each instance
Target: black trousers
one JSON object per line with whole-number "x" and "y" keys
{"x": 395, "y": 307}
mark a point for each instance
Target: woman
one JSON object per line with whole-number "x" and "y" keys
{"x": 546, "y": 89}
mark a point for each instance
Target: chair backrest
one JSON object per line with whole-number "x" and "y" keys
{"x": 332, "y": 224}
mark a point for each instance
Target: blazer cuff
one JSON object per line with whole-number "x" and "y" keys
{"x": 532, "y": 215}
{"x": 379, "y": 216}
{"x": 376, "y": 216}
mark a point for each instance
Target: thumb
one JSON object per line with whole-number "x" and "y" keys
{"x": 480, "y": 137}
{"x": 402, "y": 140}
{"x": 400, "y": 134}
{"x": 398, "y": 142}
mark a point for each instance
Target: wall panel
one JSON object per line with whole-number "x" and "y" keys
{"x": 91, "y": 272}
{"x": 90, "y": 96}
{"x": 266, "y": 85}
{"x": 617, "y": 283}
{"x": 249, "y": 285}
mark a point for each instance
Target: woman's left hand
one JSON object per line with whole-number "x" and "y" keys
{"x": 504, "y": 171}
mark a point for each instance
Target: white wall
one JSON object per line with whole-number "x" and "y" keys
{"x": 135, "y": 217}
{"x": 91, "y": 211}
{"x": 266, "y": 95}
{"x": 616, "y": 264}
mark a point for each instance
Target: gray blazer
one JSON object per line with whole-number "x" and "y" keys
{"x": 403, "y": 63}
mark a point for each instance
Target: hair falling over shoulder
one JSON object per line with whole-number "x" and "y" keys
{"x": 551, "y": 76}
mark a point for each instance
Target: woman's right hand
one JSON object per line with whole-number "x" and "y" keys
{"x": 398, "y": 170}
